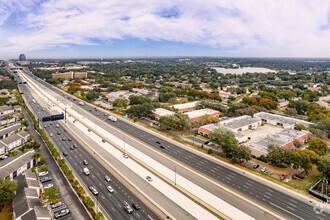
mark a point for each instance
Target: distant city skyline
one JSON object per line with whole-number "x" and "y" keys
{"x": 140, "y": 28}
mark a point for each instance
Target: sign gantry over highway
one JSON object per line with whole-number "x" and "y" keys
{"x": 53, "y": 117}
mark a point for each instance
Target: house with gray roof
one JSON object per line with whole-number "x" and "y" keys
{"x": 10, "y": 129}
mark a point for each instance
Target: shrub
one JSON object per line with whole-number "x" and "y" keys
{"x": 44, "y": 168}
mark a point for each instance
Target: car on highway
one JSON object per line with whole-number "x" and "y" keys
{"x": 89, "y": 129}
{"x": 71, "y": 147}
{"x": 107, "y": 178}
{"x": 263, "y": 169}
{"x": 93, "y": 190}
{"x": 125, "y": 156}
{"x": 149, "y": 178}
{"x": 86, "y": 171}
{"x": 110, "y": 189}
{"x": 61, "y": 213}
{"x": 48, "y": 186}
{"x": 58, "y": 204}
{"x": 256, "y": 166}
{"x": 65, "y": 153}
{"x": 57, "y": 125}
{"x": 283, "y": 177}
{"x": 51, "y": 123}
{"x": 51, "y": 134}
{"x": 105, "y": 114}
{"x": 44, "y": 173}
{"x": 85, "y": 162}
{"x": 69, "y": 139}
{"x": 45, "y": 126}
{"x": 128, "y": 208}
{"x": 158, "y": 142}
{"x": 104, "y": 141}
{"x": 135, "y": 205}
{"x": 75, "y": 145}
{"x": 45, "y": 179}
{"x": 65, "y": 130}
{"x": 58, "y": 133}
{"x": 63, "y": 139}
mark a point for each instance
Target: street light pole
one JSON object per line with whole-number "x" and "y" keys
{"x": 124, "y": 143}
{"x": 65, "y": 116}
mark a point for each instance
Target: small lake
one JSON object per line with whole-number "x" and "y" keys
{"x": 243, "y": 70}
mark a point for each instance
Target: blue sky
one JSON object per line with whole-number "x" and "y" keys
{"x": 144, "y": 28}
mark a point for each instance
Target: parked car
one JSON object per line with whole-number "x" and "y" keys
{"x": 264, "y": 169}
{"x": 283, "y": 177}
{"x": 44, "y": 173}
{"x": 110, "y": 189}
{"x": 128, "y": 208}
{"x": 57, "y": 205}
{"x": 48, "y": 186}
{"x": 241, "y": 161}
{"x": 107, "y": 178}
{"x": 93, "y": 189}
{"x": 256, "y": 166}
{"x": 45, "y": 179}
{"x": 149, "y": 178}
{"x": 61, "y": 213}
{"x": 135, "y": 205}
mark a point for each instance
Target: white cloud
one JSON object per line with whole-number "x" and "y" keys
{"x": 241, "y": 27}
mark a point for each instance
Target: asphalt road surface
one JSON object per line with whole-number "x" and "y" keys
{"x": 111, "y": 202}
{"x": 275, "y": 199}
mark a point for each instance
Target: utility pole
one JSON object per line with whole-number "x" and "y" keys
{"x": 65, "y": 116}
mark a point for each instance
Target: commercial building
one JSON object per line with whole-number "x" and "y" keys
{"x": 80, "y": 75}
{"x": 283, "y": 139}
{"x": 26, "y": 203}
{"x": 22, "y": 57}
{"x": 67, "y": 75}
{"x": 207, "y": 129}
{"x": 198, "y": 114}
{"x": 161, "y": 112}
{"x": 184, "y": 107}
{"x": 241, "y": 123}
{"x": 16, "y": 166}
{"x": 121, "y": 94}
{"x": 279, "y": 120}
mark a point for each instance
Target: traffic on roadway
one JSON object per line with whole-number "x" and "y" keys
{"x": 113, "y": 202}
{"x": 270, "y": 197}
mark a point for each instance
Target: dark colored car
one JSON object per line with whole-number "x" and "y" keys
{"x": 162, "y": 147}
{"x": 158, "y": 142}
{"x": 255, "y": 166}
{"x": 45, "y": 179}
{"x": 65, "y": 153}
{"x": 135, "y": 205}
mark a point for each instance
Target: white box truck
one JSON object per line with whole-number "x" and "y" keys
{"x": 86, "y": 171}
{"x": 112, "y": 118}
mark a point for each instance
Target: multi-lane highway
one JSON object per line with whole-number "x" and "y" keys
{"x": 284, "y": 203}
{"x": 111, "y": 203}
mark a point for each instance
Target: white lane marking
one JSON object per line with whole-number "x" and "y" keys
{"x": 285, "y": 210}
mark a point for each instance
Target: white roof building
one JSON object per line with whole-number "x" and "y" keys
{"x": 189, "y": 106}
{"x": 161, "y": 112}
{"x": 285, "y": 122}
{"x": 197, "y": 114}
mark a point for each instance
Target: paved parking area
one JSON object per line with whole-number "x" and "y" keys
{"x": 261, "y": 132}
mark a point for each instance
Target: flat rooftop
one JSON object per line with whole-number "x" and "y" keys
{"x": 239, "y": 122}
{"x": 185, "y": 105}
{"x": 16, "y": 163}
{"x": 281, "y": 119}
{"x": 201, "y": 112}
{"x": 163, "y": 112}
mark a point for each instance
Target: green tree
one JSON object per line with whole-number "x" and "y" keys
{"x": 323, "y": 166}
{"x": 7, "y": 191}
{"x": 80, "y": 191}
{"x": 99, "y": 216}
{"x": 305, "y": 159}
{"x": 92, "y": 95}
{"x": 318, "y": 145}
{"x": 51, "y": 194}
{"x": 36, "y": 155}
{"x": 44, "y": 168}
{"x": 280, "y": 157}
{"x": 301, "y": 106}
{"x": 13, "y": 153}
{"x": 75, "y": 184}
{"x": 323, "y": 125}
{"x": 177, "y": 121}
{"x": 299, "y": 127}
{"x": 89, "y": 202}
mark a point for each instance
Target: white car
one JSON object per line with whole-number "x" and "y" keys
{"x": 110, "y": 189}
{"x": 125, "y": 156}
{"x": 264, "y": 169}
{"x": 48, "y": 186}
{"x": 44, "y": 173}
{"x": 149, "y": 178}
